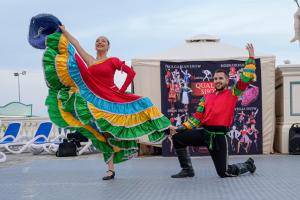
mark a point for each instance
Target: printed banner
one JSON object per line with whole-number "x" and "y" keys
{"x": 184, "y": 83}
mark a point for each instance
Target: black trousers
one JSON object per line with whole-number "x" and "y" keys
{"x": 219, "y": 151}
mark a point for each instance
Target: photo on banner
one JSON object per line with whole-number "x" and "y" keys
{"x": 184, "y": 83}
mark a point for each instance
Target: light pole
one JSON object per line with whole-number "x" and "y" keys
{"x": 18, "y": 75}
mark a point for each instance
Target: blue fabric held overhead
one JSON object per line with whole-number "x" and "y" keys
{"x": 40, "y": 27}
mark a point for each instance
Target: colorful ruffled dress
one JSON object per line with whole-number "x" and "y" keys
{"x": 114, "y": 121}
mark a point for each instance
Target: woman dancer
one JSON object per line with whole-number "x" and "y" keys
{"x": 83, "y": 95}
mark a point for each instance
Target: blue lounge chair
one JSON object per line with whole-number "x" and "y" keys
{"x": 11, "y": 133}
{"x": 41, "y": 141}
{"x": 11, "y": 136}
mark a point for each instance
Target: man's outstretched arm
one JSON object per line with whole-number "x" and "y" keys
{"x": 193, "y": 121}
{"x": 248, "y": 74}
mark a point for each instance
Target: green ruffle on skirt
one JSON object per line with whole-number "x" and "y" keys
{"x": 126, "y": 152}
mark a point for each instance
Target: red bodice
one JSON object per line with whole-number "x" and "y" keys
{"x": 104, "y": 71}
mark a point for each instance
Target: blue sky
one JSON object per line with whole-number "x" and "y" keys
{"x": 138, "y": 28}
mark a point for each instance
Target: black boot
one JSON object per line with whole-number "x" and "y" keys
{"x": 185, "y": 163}
{"x": 247, "y": 166}
{"x": 250, "y": 165}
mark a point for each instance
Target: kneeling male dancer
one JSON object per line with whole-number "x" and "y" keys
{"x": 214, "y": 115}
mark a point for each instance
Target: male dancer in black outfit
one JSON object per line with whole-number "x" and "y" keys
{"x": 214, "y": 115}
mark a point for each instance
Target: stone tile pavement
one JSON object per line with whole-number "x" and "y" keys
{"x": 46, "y": 177}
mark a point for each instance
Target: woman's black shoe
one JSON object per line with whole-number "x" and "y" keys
{"x": 112, "y": 176}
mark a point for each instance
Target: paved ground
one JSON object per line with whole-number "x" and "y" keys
{"x": 45, "y": 177}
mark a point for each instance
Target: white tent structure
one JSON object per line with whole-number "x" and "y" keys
{"x": 208, "y": 48}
